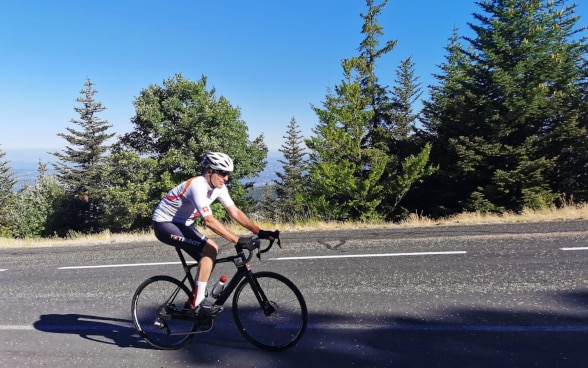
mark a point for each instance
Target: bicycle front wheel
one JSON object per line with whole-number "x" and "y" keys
{"x": 156, "y": 312}
{"x": 270, "y": 312}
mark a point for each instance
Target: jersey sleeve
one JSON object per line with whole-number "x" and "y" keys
{"x": 199, "y": 196}
{"x": 224, "y": 197}
{"x": 202, "y": 197}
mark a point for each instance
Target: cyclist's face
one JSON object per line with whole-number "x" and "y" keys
{"x": 218, "y": 178}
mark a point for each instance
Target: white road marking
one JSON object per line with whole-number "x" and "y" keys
{"x": 576, "y": 248}
{"x": 16, "y": 328}
{"x": 3, "y": 270}
{"x": 121, "y": 265}
{"x": 369, "y": 255}
{"x": 271, "y": 259}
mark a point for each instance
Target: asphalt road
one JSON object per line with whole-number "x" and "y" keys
{"x": 506, "y": 295}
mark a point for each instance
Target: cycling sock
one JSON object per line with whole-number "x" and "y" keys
{"x": 200, "y": 292}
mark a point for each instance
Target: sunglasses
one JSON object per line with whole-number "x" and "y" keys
{"x": 222, "y": 173}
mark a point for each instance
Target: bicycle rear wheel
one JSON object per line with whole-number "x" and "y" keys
{"x": 156, "y": 312}
{"x": 277, "y": 324}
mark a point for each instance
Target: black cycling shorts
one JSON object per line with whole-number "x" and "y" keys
{"x": 185, "y": 237}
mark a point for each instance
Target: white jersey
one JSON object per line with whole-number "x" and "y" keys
{"x": 192, "y": 198}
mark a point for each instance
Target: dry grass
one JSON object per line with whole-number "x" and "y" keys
{"x": 103, "y": 238}
{"x": 566, "y": 213}
{"x": 570, "y": 212}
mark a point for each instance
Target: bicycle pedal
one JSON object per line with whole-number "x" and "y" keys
{"x": 207, "y": 309}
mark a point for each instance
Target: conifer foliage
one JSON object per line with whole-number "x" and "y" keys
{"x": 363, "y": 159}
{"x": 507, "y": 120}
{"x": 505, "y": 128}
{"x": 291, "y": 184}
{"x": 81, "y": 163}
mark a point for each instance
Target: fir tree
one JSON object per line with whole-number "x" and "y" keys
{"x": 291, "y": 184}
{"x": 365, "y": 66}
{"x": 344, "y": 176}
{"x": 81, "y": 164}
{"x": 404, "y": 94}
{"x": 268, "y": 207}
{"x": 362, "y": 147}
{"x": 408, "y": 158}
{"x": 443, "y": 119}
{"x": 519, "y": 102}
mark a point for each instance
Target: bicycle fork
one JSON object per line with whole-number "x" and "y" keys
{"x": 244, "y": 272}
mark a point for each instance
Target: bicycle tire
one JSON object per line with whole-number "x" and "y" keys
{"x": 152, "y": 309}
{"x": 280, "y": 329}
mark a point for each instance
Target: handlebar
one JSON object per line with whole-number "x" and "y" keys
{"x": 256, "y": 243}
{"x": 272, "y": 238}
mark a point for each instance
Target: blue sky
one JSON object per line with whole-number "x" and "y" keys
{"x": 272, "y": 59}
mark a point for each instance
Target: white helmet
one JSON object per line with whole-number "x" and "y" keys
{"x": 217, "y": 161}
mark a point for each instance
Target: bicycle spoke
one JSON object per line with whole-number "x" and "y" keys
{"x": 156, "y": 307}
{"x": 283, "y": 320}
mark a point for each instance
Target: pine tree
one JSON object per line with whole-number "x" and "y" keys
{"x": 364, "y": 65}
{"x": 565, "y": 141}
{"x": 408, "y": 163}
{"x": 362, "y": 144}
{"x": 518, "y": 95}
{"x": 344, "y": 176}
{"x": 81, "y": 164}
{"x": 442, "y": 113}
{"x": 291, "y": 184}
{"x": 444, "y": 118}
{"x": 404, "y": 94}
{"x": 267, "y": 206}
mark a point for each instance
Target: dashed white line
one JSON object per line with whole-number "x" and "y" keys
{"x": 16, "y": 328}
{"x": 274, "y": 259}
{"x": 575, "y": 248}
{"x": 120, "y": 265}
{"x": 370, "y": 255}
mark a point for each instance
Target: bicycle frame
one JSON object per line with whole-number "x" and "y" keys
{"x": 243, "y": 271}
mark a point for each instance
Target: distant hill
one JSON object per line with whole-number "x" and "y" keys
{"x": 268, "y": 175}
{"x": 24, "y": 163}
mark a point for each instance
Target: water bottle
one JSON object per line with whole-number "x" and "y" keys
{"x": 218, "y": 287}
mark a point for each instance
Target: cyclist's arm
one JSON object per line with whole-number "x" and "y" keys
{"x": 242, "y": 219}
{"x": 215, "y": 225}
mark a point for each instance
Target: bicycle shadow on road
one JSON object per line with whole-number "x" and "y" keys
{"x": 106, "y": 330}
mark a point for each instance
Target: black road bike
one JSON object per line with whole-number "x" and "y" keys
{"x": 268, "y": 308}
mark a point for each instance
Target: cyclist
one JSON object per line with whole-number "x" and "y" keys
{"x": 174, "y": 217}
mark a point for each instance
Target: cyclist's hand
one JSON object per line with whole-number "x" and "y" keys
{"x": 248, "y": 242}
{"x": 271, "y": 235}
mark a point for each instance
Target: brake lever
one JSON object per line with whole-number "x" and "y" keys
{"x": 271, "y": 243}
